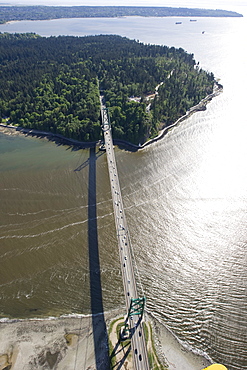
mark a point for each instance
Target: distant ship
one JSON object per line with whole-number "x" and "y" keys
{"x": 178, "y": 22}
{"x": 193, "y": 20}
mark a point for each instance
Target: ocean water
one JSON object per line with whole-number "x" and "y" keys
{"x": 185, "y": 199}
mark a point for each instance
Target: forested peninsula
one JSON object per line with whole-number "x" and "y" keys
{"x": 41, "y": 12}
{"x": 53, "y": 84}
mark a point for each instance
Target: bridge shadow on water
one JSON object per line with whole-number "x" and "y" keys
{"x": 98, "y": 320}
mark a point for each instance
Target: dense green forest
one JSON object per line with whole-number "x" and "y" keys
{"x": 13, "y": 13}
{"x": 52, "y": 84}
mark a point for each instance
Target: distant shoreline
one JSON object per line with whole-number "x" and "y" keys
{"x": 43, "y": 12}
{"x": 114, "y": 17}
{"x": 57, "y": 138}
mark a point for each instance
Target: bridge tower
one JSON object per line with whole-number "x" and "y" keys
{"x": 136, "y": 308}
{"x": 105, "y": 118}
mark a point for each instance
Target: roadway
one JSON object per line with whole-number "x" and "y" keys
{"x": 138, "y": 344}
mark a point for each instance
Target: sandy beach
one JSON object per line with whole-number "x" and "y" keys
{"x": 73, "y": 343}
{"x": 59, "y": 343}
{"x": 173, "y": 352}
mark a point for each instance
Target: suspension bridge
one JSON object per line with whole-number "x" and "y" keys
{"x": 133, "y": 327}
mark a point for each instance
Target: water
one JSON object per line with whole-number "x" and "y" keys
{"x": 185, "y": 200}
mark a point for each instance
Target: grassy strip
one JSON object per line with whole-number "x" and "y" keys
{"x": 112, "y": 324}
{"x": 153, "y": 359}
{"x": 120, "y": 345}
{"x": 110, "y": 345}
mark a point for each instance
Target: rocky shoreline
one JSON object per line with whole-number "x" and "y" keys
{"x": 201, "y": 106}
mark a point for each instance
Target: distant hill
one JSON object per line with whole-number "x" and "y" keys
{"x": 40, "y": 12}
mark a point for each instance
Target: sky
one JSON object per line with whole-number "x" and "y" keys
{"x": 239, "y": 6}
{"x": 208, "y": 4}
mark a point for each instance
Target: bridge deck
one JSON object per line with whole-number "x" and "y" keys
{"x": 138, "y": 344}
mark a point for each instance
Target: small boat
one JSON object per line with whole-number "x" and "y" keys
{"x": 203, "y": 32}
{"x": 193, "y": 20}
{"x": 178, "y": 22}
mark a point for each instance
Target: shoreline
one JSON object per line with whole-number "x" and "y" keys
{"x": 201, "y": 106}
{"x": 57, "y": 138}
{"x": 189, "y": 13}
{"x": 69, "y": 342}
{"x": 173, "y": 351}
